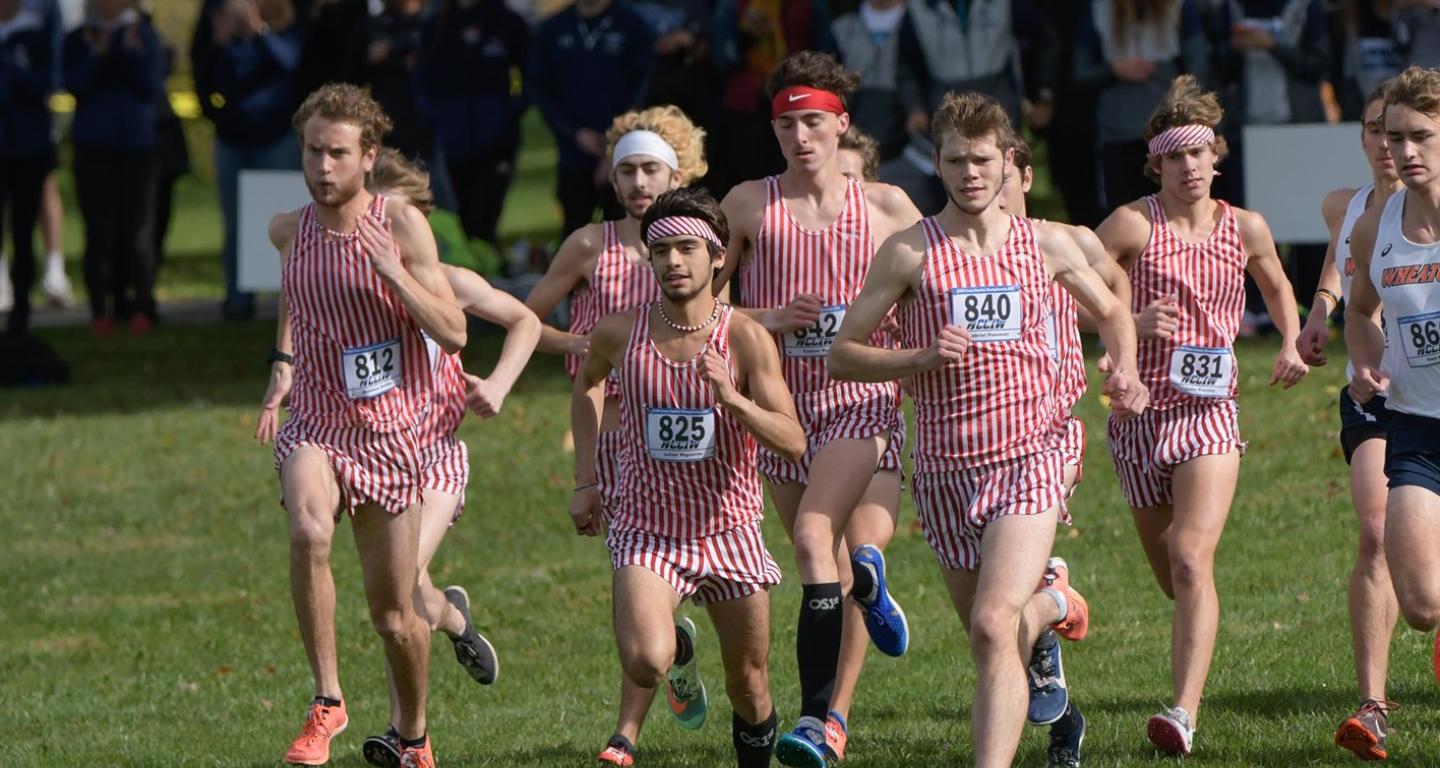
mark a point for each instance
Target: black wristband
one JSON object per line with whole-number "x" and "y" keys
{"x": 276, "y": 356}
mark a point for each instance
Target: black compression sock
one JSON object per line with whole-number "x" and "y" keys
{"x": 326, "y": 701}
{"x": 817, "y": 646}
{"x": 863, "y": 587}
{"x": 684, "y": 648}
{"x": 623, "y": 743}
{"x": 413, "y": 743}
{"x": 754, "y": 744}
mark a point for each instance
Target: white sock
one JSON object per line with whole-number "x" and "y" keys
{"x": 1060, "y": 602}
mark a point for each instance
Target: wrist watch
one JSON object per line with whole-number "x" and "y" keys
{"x": 276, "y": 356}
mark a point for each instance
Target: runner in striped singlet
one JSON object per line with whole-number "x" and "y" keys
{"x": 359, "y": 308}
{"x": 802, "y": 243}
{"x": 1396, "y": 248}
{"x": 700, "y": 386}
{"x": 1373, "y": 610}
{"x": 603, "y": 268}
{"x": 1187, "y": 255}
{"x": 973, "y": 286}
{"x": 1050, "y": 701}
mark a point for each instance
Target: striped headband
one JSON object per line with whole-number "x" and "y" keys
{"x": 1181, "y": 136}
{"x": 671, "y": 226}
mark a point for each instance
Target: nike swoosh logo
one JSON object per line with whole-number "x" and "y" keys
{"x": 794, "y": 97}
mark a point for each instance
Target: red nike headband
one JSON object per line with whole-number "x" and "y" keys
{"x": 802, "y": 97}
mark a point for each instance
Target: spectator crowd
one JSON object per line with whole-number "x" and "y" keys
{"x": 456, "y": 76}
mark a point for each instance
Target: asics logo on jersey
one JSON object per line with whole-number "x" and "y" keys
{"x": 1412, "y": 275}
{"x": 1385, "y": 251}
{"x": 824, "y": 603}
{"x": 759, "y": 742}
{"x": 794, "y": 97}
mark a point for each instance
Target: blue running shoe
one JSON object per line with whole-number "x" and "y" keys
{"x": 1048, "y": 695}
{"x": 803, "y": 747}
{"x": 884, "y": 618}
{"x": 1066, "y": 737}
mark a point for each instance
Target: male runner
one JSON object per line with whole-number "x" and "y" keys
{"x": 1187, "y": 254}
{"x": 359, "y": 313}
{"x": 973, "y": 286}
{"x": 605, "y": 269}
{"x": 700, "y": 385}
{"x": 1396, "y": 248}
{"x": 1373, "y": 610}
{"x": 802, "y": 242}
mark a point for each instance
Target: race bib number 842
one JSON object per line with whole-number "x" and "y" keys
{"x": 373, "y": 370}
{"x": 1420, "y": 336}
{"x": 680, "y": 434}
{"x": 989, "y": 313}
{"x": 814, "y": 340}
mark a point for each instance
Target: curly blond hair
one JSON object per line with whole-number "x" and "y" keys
{"x": 394, "y": 174}
{"x": 675, "y": 127}
{"x": 345, "y": 103}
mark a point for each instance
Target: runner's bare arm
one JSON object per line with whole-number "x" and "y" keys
{"x": 573, "y": 264}
{"x": 1263, "y": 264}
{"x": 587, "y": 404}
{"x": 1107, "y": 268}
{"x": 1364, "y": 339}
{"x": 765, "y": 408}
{"x": 418, "y": 281}
{"x": 1125, "y": 233}
{"x": 893, "y": 274}
{"x": 282, "y": 235}
{"x": 522, "y": 328}
{"x": 891, "y": 210}
{"x": 744, "y": 209}
{"x": 1315, "y": 334}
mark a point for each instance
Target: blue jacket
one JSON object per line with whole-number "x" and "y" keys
{"x": 246, "y": 87}
{"x": 584, "y": 72}
{"x": 27, "y": 77}
{"x": 464, "y": 78}
{"x": 115, "y": 93}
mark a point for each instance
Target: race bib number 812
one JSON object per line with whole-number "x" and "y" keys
{"x": 373, "y": 370}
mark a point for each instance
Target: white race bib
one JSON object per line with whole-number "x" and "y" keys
{"x": 815, "y": 340}
{"x": 989, "y": 313}
{"x": 680, "y": 434}
{"x": 372, "y": 370}
{"x": 1202, "y": 371}
{"x": 1420, "y": 337}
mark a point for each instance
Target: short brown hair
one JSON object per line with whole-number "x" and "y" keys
{"x": 1417, "y": 88}
{"x": 393, "y": 172}
{"x": 1024, "y": 156}
{"x": 694, "y": 202}
{"x": 672, "y": 125}
{"x": 1186, "y": 103}
{"x": 345, "y": 103}
{"x": 869, "y": 149}
{"x": 815, "y": 70}
{"x": 972, "y": 115}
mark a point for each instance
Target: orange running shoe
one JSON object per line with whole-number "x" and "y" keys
{"x": 1075, "y": 624}
{"x": 1364, "y": 732}
{"x": 322, "y": 724}
{"x": 417, "y": 757}
{"x": 836, "y": 734}
{"x": 618, "y": 751}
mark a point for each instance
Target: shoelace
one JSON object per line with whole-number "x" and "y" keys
{"x": 315, "y": 726}
{"x": 682, "y": 689}
{"x": 1043, "y": 672}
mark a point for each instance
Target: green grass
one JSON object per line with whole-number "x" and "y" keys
{"x": 145, "y": 616}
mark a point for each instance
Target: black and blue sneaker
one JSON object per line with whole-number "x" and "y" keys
{"x": 803, "y": 747}
{"x": 1066, "y": 737}
{"x": 884, "y": 618}
{"x": 1048, "y": 695}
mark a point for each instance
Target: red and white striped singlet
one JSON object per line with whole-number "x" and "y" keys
{"x": 448, "y": 408}
{"x": 338, "y": 303}
{"x": 998, "y": 402}
{"x": 1069, "y": 351}
{"x": 618, "y": 284}
{"x": 1208, "y": 281}
{"x": 667, "y": 409}
{"x": 789, "y": 260}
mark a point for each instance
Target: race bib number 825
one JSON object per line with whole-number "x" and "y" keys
{"x": 680, "y": 434}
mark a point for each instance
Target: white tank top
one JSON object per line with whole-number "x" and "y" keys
{"x": 1407, "y": 277}
{"x": 1344, "y": 262}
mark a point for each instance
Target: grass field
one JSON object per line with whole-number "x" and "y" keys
{"x": 145, "y": 616}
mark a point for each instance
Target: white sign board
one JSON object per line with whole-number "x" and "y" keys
{"x": 1290, "y": 168}
{"x": 262, "y": 195}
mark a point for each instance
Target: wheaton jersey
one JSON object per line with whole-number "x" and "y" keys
{"x": 1407, "y": 277}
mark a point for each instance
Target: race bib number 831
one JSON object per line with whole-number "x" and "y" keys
{"x": 680, "y": 434}
{"x": 989, "y": 313}
{"x": 1202, "y": 371}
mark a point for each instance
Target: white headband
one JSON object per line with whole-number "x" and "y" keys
{"x": 1181, "y": 136}
{"x": 645, "y": 143}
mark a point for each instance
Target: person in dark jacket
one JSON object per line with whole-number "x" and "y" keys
{"x": 27, "y": 77}
{"x": 172, "y": 160}
{"x": 244, "y": 57}
{"x": 681, "y": 75}
{"x": 471, "y": 53}
{"x": 869, "y": 43}
{"x": 590, "y": 62}
{"x": 386, "y": 56}
{"x": 114, "y": 65}
{"x": 330, "y": 30}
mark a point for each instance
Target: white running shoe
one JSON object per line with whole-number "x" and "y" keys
{"x": 56, "y": 283}
{"x": 1170, "y": 731}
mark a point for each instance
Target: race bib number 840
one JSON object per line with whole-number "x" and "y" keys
{"x": 1202, "y": 371}
{"x": 1420, "y": 336}
{"x": 680, "y": 434}
{"x": 989, "y": 313}
{"x": 814, "y": 340}
{"x": 373, "y": 370}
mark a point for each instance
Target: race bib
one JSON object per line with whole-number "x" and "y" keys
{"x": 1420, "y": 336}
{"x": 989, "y": 313}
{"x": 815, "y": 340}
{"x": 680, "y": 434}
{"x": 372, "y": 370}
{"x": 1202, "y": 371}
{"x": 1052, "y": 335}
